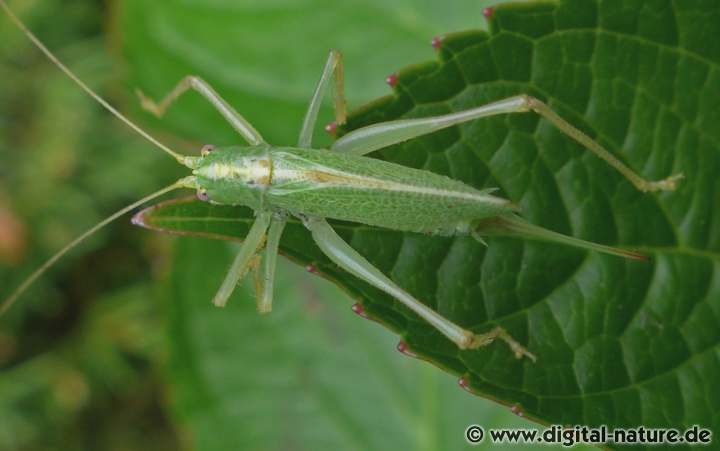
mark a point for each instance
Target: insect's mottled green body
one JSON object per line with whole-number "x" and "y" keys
{"x": 346, "y": 187}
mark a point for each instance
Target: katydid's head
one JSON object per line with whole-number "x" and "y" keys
{"x": 231, "y": 175}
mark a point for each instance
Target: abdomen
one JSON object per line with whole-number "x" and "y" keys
{"x": 374, "y": 192}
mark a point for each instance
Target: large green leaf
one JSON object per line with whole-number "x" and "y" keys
{"x": 621, "y": 343}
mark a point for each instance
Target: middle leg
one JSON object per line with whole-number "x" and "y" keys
{"x": 265, "y": 274}
{"x": 332, "y": 66}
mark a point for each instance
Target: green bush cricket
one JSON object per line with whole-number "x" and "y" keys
{"x": 340, "y": 183}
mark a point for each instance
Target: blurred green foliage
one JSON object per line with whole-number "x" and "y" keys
{"x": 82, "y": 351}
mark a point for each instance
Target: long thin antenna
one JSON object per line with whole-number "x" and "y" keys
{"x": 180, "y": 158}
{"x": 9, "y": 301}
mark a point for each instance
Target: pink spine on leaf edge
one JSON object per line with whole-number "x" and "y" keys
{"x": 488, "y": 12}
{"x": 435, "y": 42}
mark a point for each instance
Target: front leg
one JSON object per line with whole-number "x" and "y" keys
{"x": 235, "y": 119}
{"x": 350, "y": 260}
{"x": 244, "y": 257}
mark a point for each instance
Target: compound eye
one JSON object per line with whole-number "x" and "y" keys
{"x": 206, "y": 149}
{"x": 203, "y": 195}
